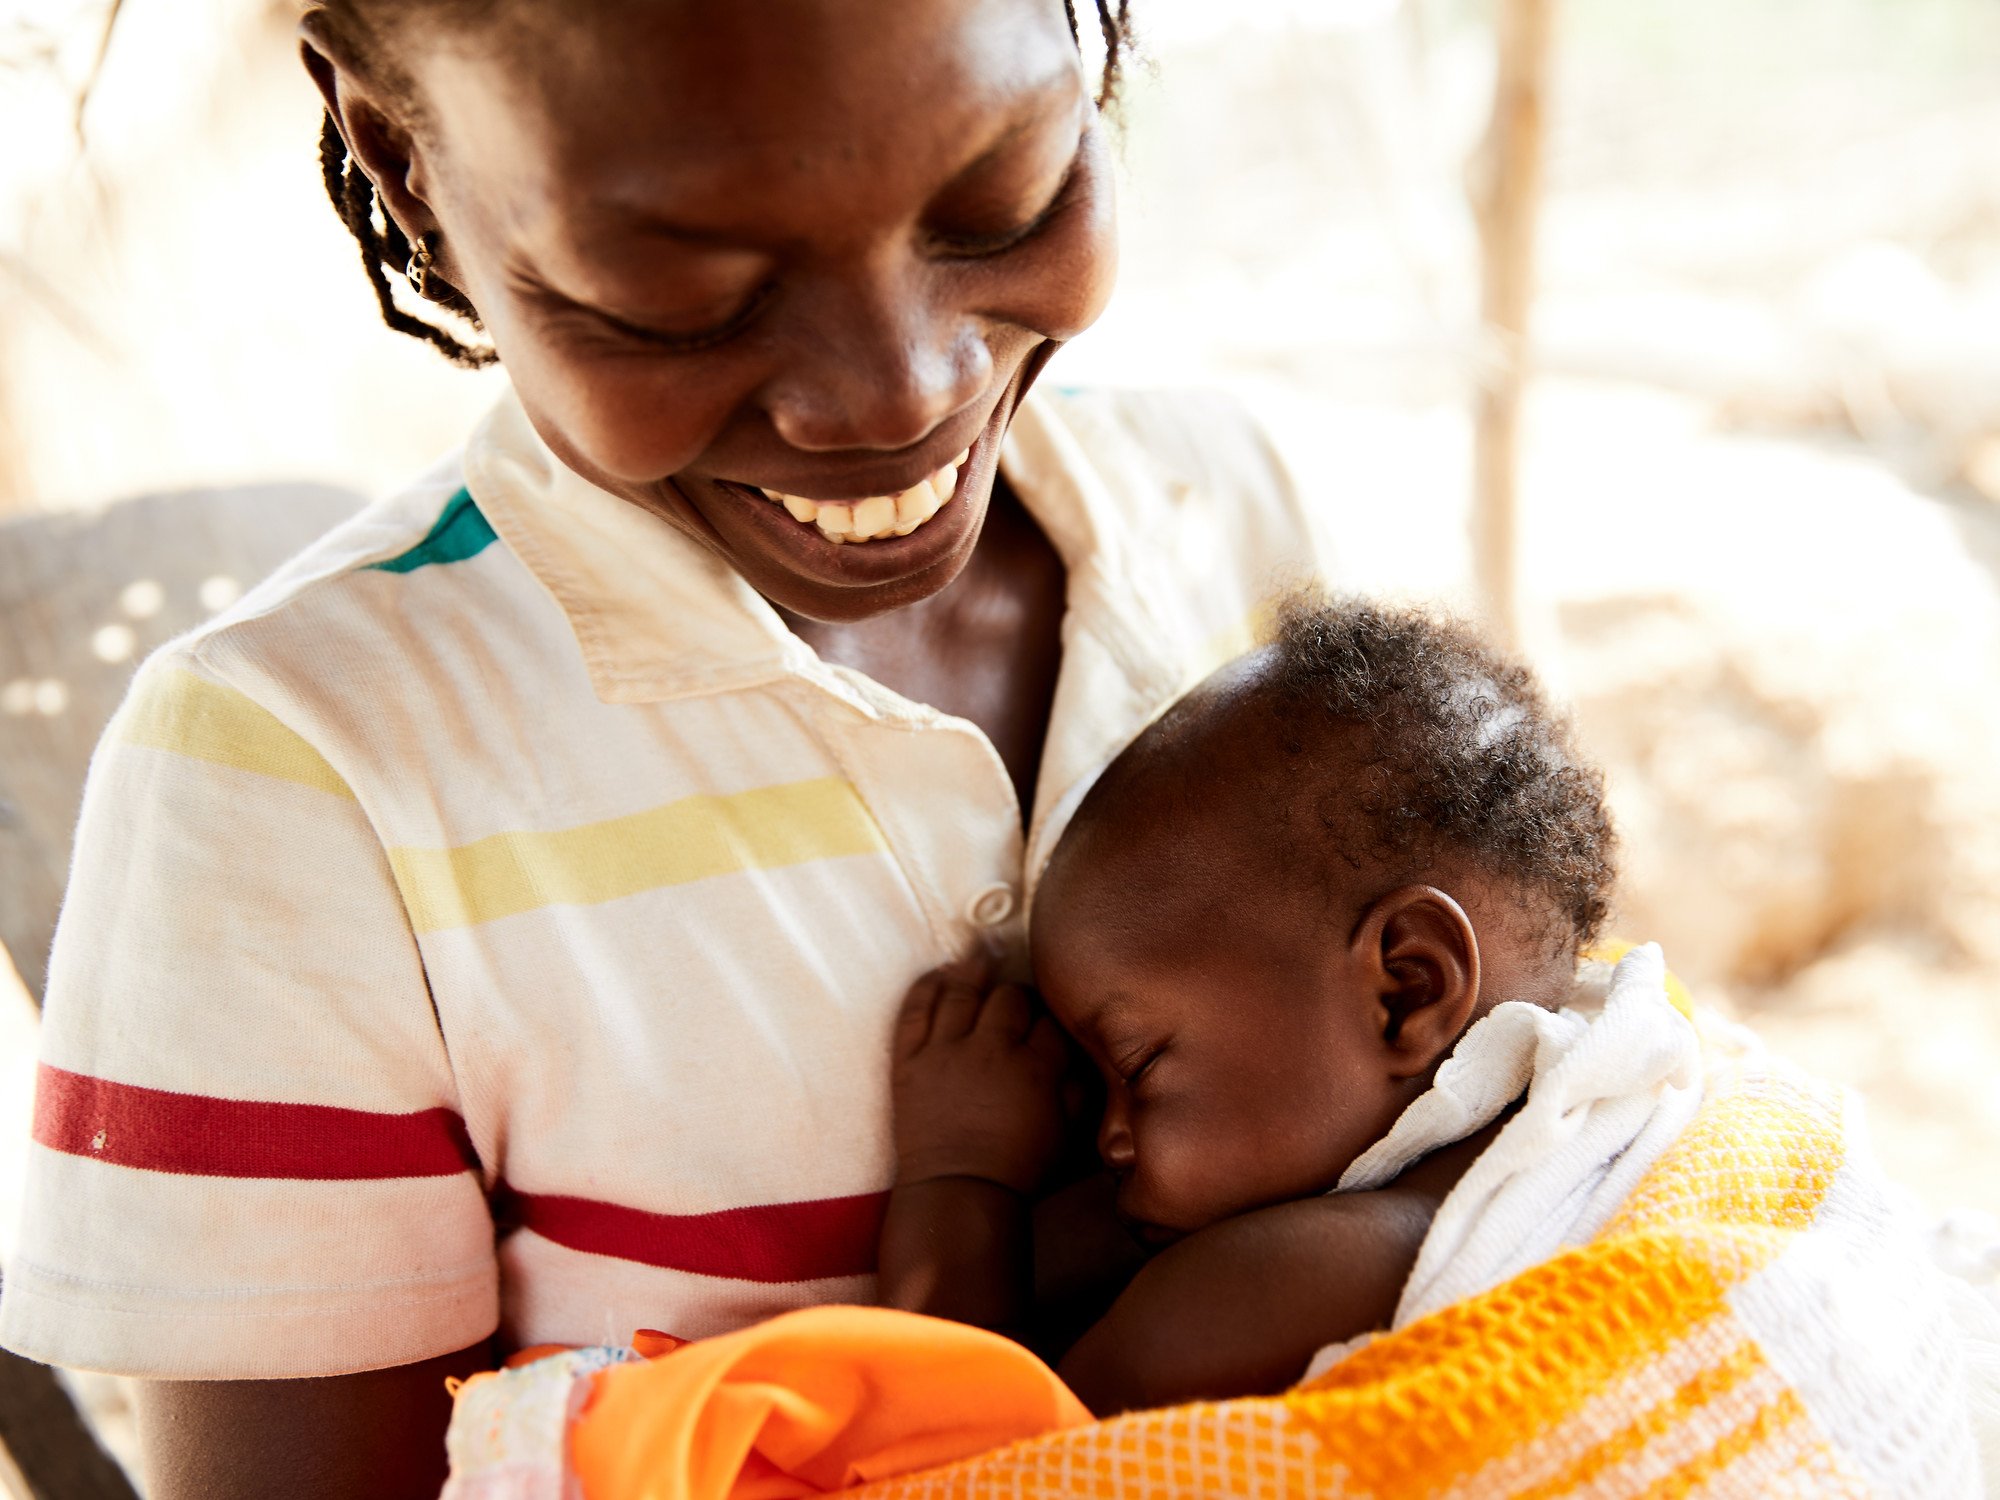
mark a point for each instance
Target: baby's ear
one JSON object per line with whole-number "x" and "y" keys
{"x": 1415, "y": 948}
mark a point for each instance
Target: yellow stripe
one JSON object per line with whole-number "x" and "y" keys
{"x": 1488, "y": 1376}
{"x": 1752, "y": 1166}
{"x": 1779, "y": 1412}
{"x": 189, "y": 715}
{"x": 1717, "y": 1380}
{"x": 1678, "y": 994}
{"x": 691, "y": 839}
{"x": 1483, "y": 1378}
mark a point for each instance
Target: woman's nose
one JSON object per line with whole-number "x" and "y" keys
{"x": 1114, "y": 1137}
{"x": 876, "y": 362}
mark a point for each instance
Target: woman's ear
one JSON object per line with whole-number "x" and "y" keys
{"x": 1416, "y": 948}
{"x": 379, "y": 142}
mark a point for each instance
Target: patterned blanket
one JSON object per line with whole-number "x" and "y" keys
{"x": 1758, "y": 1318}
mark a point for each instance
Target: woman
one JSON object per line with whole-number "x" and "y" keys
{"x": 547, "y": 850}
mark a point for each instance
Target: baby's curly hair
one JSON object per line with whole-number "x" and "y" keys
{"x": 1461, "y": 753}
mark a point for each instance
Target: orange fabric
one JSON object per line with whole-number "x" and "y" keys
{"x": 811, "y": 1402}
{"x": 650, "y": 1343}
{"x": 1621, "y": 1367}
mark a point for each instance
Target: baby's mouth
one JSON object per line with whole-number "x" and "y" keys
{"x": 1152, "y": 1236}
{"x": 876, "y": 516}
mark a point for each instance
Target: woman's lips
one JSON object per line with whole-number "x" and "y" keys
{"x": 877, "y": 516}
{"x": 750, "y": 516}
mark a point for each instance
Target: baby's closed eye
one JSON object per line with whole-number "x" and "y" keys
{"x": 1135, "y": 1061}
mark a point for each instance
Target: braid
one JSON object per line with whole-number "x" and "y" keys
{"x": 353, "y": 198}
{"x": 1114, "y": 24}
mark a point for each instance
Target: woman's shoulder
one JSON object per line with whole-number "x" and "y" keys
{"x": 1184, "y": 494}
{"x": 372, "y": 619}
{"x": 1182, "y": 438}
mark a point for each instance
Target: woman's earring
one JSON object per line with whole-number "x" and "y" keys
{"x": 421, "y": 264}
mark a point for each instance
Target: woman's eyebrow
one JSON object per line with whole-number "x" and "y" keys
{"x": 1039, "y": 101}
{"x": 1036, "y": 113}
{"x": 644, "y": 221}
{"x": 688, "y": 234}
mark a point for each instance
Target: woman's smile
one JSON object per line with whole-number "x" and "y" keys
{"x": 853, "y": 533}
{"x": 876, "y": 516}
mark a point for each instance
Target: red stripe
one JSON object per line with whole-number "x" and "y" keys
{"x": 202, "y": 1136}
{"x": 770, "y": 1242}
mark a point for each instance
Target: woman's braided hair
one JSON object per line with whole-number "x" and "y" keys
{"x": 386, "y": 250}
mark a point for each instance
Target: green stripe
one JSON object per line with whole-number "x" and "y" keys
{"x": 461, "y": 532}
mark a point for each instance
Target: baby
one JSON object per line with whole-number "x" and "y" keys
{"x": 1318, "y": 929}
{"x": 1268, "y": 925}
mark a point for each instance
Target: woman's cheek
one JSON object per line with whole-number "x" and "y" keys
{"x": 635, "y": 418}
{"x": 1059, "y": 285}
{"x": 1092, "y": 259}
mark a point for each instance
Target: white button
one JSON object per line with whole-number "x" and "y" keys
{"x": 992, "y": 906}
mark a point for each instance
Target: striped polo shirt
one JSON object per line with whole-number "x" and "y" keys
{"x": 496, "y": 918}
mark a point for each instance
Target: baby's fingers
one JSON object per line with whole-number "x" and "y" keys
{"x": 957, "y": 1009}
{"x": 943, "y": 1002}
{"x": 1009, "y": 1012}
{"x": 913, "y": 1020}
{"x": 1049, "y": 1042}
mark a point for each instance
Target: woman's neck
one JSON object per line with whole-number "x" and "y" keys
{"x": 987, "y": 648}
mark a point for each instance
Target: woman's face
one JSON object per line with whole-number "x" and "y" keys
{"x": 812, "y": 247}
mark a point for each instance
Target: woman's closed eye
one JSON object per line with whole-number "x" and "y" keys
{"x": 685, "y": 340}
{"x": 970, "y": 240}
{"x": 702, "y": 323}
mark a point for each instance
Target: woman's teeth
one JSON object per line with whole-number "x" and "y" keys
{"x": 878, "y": 515}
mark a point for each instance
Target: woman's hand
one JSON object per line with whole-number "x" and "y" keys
{"x": 977, "y": 1081}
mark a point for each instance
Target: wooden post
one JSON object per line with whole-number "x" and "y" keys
{"x": 1505, "y": 188}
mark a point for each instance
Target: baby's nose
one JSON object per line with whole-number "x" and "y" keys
{"x": 1114, "y": 1140}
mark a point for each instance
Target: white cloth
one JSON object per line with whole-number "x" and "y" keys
{"x": 1966, "y": 1246}
{"x": 1611, "y": 1079}
{"x": 506, "y": 852}
{"x": 1846, "y": 1314}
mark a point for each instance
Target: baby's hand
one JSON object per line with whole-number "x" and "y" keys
{"x": 977, "y": 1082}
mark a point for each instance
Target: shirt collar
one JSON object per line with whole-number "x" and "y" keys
{"x": 656, "y": 615}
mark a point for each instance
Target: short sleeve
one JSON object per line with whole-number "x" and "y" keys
{"x": 248, "y": 1159}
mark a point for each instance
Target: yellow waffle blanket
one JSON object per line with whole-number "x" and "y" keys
{"x": 1756, "y": 1319}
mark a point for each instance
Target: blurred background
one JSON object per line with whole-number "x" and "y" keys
{"x": 1758, "y": 499}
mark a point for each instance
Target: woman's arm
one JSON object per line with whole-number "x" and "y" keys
{"x": 375, "y": 1436}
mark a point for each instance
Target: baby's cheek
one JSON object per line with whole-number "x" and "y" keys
{"x": 1198, "y": 1182}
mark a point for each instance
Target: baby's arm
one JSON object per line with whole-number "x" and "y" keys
{"x": 977, "y": 1120}
{"x": 1241, "y": 1307}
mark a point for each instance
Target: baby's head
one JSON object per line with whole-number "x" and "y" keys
{"x": 1277, "y": 911}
